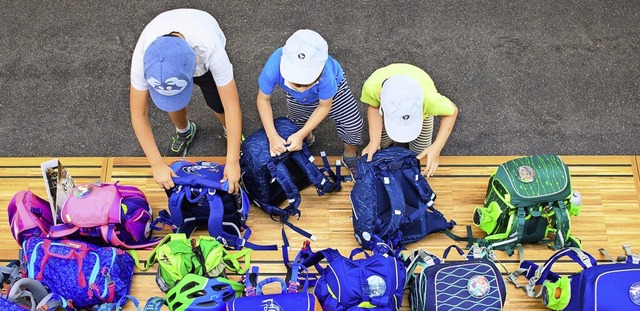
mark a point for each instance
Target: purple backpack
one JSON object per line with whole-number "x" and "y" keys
{"x": 82, "y": 272}
{"x": 29, "y": 216}
{"x": 118, "y": 214}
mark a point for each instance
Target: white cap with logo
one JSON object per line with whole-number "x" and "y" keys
{"x": 303, "y": 57}
{"x": 401, "y": 102}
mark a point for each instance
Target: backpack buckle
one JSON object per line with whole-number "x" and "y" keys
{"x": 293, "y": 287}
{"x": 250, "y": 291}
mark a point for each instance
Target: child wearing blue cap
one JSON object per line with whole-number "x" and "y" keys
{"x": 316, "y": 88}
{"x": 177, "y": 49}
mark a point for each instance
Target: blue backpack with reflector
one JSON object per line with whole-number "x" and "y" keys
{"x": 474, "y": 284}
{"x": 375, "y": 282}
{"x": 199, "y": 199}
{"x": 605, "y": 287}
{"x": 392, "y": 199}
{"x": 270, "y": 181}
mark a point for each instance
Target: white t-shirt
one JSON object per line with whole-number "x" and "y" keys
{"x": 203, "y": 34}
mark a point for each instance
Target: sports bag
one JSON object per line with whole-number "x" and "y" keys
{"x": 178, "y": 256}
{"x": 199, "y": 199}
{"x": 390, "y": 197}
{"x": 474, "y": 284}
{"x": 528, "y": 198}
{"x": 375, "y": 282}
{"x": 29, "y": 216}
{"x": 118, "y": 214}
{"x": 288, "y": 299}
{"x": 84, "y": 273}
{"x": 269, "y": 181}
{"x": 604, "y": 287}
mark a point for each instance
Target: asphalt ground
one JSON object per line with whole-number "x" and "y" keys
{"x": 528, "y": 76}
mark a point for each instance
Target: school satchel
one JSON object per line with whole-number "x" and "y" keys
{"x": 178, "y": 256}
{"x": 288, "y": 299}
{"x": 375, "y": 282}
{"x": 199, "y": 199}
{"x": 602, "y": 287}
{"x": 117, "y": 214}
{"x": 474, "y": 284}
{"x": 528, "y": 198}
{"x": 270, "y": 181}
{"x": 29, "y": 216}
{"x": 82, "y": 272}
{"x": 392, "y": 199}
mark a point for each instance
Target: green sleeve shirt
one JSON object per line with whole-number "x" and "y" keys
{"x": 435, "y": 104}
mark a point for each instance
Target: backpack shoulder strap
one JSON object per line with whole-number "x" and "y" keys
{"x": 396, "y": 200}
{"x": 317, "y": 175}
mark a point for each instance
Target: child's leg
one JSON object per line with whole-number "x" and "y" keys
{"x": 385, "y": 141}
{"x": 211, "y": 97}
{"x": 424, "y": 139}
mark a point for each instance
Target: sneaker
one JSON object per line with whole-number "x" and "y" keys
{"x": 181, "y": 141}
{"x": 311, "y": 139}
{"x": 350, "y": 164}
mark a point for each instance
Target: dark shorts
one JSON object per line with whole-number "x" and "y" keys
{"x": 210, "y": 91}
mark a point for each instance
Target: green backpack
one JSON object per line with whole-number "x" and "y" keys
{"x": 529, "y": 200}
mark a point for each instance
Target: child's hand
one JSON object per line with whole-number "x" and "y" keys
{"x": 277, "y": 145}
{"x": 294, "y": 141}
{"x": 232, "y": 174}
{"x": 370, "y": 150}
{"x": 162, "y": 174}
{"x": 433, "y": 160}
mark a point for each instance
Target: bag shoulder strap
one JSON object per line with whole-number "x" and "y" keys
{"x": 324, "y": 179}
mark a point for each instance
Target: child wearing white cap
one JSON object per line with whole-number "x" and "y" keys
{"x": 177, "y": 49}
{"x": 316, "y": 88}
{"x": 402, "y": 101}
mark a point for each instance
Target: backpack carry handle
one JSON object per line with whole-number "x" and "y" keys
{"x": 457, "y": 248}
{"x": 359, "y": 250}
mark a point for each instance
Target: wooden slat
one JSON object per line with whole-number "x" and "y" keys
{"x": 610, "y": 215}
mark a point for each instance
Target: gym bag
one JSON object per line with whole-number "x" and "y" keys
{"x": 375, "y": 282}
{"x": 269, "y": 181}
{"x": 29, "y": 216}
{"x": 84, "y": 273}
{"x": 528, "y": 198}
{"x": 120, "y": 215}
{"x": 605, "y": 287}
{"x": 199, "y": 198}
{"x": 390, "y": 197}
{"x": 178, "y": 256}
{"x": 471, "y": 285}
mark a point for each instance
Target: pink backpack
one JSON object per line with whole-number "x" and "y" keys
{"x": 29, "y": 216}
{"x": 118, "y": 214}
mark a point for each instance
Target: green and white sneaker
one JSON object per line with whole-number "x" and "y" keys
{"x": 181, "y": 141}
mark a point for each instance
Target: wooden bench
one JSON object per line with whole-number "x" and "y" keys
{"x": 610, "y": 215}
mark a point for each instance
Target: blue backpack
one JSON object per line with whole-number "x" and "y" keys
{"x": 474, "y": 284}
{"x": 269, "y": 181}
{"x": 375, "y": 282}
{"x": 392, "y": 199}
{"x": 597, "y": 287}
{"x": 200, "y": 199}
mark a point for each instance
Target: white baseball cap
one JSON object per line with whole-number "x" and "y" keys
{"x": 303, "y": 57}
{"x": 401, "y": 101}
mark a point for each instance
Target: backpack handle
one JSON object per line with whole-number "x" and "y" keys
{"x": 357, "y": 251}
{"x": 456, "y": 247}
{"x": 584, "y": 259}
{"x": 266, "y": 281}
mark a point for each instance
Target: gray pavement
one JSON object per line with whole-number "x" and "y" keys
{"x": 528, "y": 76}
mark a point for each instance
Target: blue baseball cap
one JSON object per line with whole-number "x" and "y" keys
{"x": 169, "y": 64}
